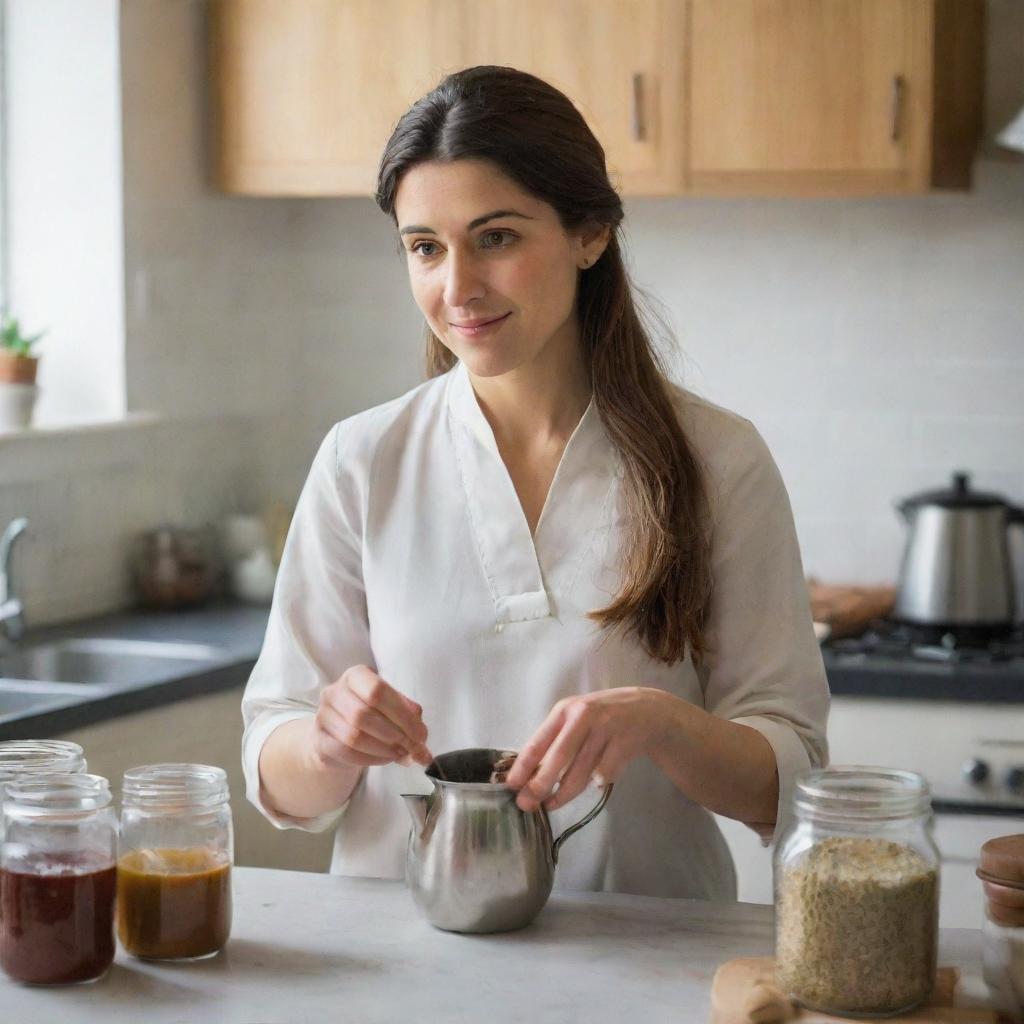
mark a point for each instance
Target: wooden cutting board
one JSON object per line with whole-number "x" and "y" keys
{"x": 735, "y": 979}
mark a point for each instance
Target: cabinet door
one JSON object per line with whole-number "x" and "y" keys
{"x": 809, "y": 95}
{"x": 619, "y": 61}
{"x": 309, "y": 90}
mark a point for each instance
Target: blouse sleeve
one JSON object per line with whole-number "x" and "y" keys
{"x": 763, "y": 666}
{"x": 318, "y": 622}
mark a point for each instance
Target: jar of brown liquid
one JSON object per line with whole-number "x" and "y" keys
{"x": 57, "y": 879}
{"x": 174, "y": 862}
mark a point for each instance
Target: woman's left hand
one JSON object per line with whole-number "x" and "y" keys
{"x": 590, "y": 737}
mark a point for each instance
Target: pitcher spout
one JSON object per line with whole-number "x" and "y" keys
{"x": 417, "y": 804}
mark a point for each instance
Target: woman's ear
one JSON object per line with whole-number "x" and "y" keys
{"x": 592, "y": 240}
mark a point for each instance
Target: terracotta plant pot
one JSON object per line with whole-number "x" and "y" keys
{"x": 16, "y": 369}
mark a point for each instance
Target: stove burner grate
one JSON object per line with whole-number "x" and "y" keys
{"x": 901, "y": 640}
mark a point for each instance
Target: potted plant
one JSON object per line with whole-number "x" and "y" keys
{"x": 18, "y": 389}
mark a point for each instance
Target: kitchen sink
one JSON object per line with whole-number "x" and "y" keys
{"x": 16, "y": 701}
{"x": 106, "y": 663}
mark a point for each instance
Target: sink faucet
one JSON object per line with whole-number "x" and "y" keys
{"x": 12, "y": 611}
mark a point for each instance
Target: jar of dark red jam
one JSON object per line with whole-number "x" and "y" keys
{"x": 174, "y": 866}
{"x": 57, "y": 879}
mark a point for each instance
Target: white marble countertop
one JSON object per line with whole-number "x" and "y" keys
{"x": 319, "y": 949}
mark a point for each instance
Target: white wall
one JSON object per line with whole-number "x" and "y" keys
{"x": 878, "y": 343}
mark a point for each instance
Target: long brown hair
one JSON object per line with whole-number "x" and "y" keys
{"x": 535, "y": 135}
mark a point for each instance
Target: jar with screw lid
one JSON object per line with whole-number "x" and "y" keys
{"x": 1001, "y": 870}
{"x": 57, "y": 879}
{"x": 857, "y": 893}
{"x": 174, "y": 862}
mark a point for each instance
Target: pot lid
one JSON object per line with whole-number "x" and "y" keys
{"x": 958, "y": 495}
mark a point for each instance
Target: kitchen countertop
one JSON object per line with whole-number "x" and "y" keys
{"x": 311, "y": 948}
{"x": 235, "y": 630}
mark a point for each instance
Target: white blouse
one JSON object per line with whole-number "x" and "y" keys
{"x": 410, "y": 552}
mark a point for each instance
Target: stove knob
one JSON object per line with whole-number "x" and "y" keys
{"x": 975, "y": 771}
{"x": 1015, "y": 780}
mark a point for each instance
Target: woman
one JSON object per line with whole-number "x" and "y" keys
{"x": 546, "y": 547}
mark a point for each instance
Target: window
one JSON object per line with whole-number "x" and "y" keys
{"x": 62, "y": 221}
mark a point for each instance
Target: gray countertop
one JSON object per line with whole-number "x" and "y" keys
{"x": 235, "y": 630}
{"x": 309, "y": 949}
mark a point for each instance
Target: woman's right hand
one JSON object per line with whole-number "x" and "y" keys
{"x": 363, "y": 721}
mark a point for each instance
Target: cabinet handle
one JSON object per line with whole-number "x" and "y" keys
{"x": 899, "y": 88}
{"x": 639, "y": 128}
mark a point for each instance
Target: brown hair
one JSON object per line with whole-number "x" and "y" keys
{"x": 535, "y": 135}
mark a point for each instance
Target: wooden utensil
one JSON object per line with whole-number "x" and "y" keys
{"x": 744, "y": 992}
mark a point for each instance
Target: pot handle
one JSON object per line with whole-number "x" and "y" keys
{"x": 557, "y": 844}
{"x": 903, "y": 507}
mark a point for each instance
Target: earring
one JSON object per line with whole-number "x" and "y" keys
{"x": 586, "y": 262}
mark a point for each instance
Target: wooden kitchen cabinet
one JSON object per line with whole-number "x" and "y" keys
{"x": 833, "y": 96}
{"x": 618, "y": 60}
{"x": 306, "y": 92}
{"x": 742, "y": 97}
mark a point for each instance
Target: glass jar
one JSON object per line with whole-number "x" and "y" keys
{"x": 174, "y": 862}
{"x": 57, "y": 879}
{"x": 37, "y": 757}
{"x": 857, "y": 893}
{"x": 1001, "y": 870}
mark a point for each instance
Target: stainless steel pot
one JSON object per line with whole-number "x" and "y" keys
{"x": 476, "y": 862}
{"x": 956, "y": 570}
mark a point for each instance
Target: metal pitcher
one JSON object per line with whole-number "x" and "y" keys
{"x": 476, "y": 862}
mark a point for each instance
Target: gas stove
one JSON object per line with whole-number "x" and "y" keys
{"x": 949, "y": 705}
{"x": 894, "y": 660}
{"x": 899, "y": 640}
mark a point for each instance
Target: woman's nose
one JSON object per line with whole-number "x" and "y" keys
{"x": 463, "y": 282}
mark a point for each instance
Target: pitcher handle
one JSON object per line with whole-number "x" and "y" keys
{"x": 556, "y": 845}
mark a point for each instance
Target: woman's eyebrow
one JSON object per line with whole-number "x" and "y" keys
{"x": 418, "y": 229}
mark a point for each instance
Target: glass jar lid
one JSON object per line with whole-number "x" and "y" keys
{"x": 861, "y": 793}
{"x": 35, "y": 757}
{"x": 169, "y": 785}
{"x": 56, "y": 794}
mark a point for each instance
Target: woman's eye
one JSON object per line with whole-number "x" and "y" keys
{"x": 419, "y": 250}
{"x": 496, "y": 239}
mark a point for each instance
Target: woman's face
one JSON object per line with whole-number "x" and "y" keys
{"x": 491, "y": 266}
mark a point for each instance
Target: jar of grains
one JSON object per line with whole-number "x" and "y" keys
{"x": 857, "y": 893}
{"x": 57, "y": 879}
{"x": 1001, "y": 870}
{"x": 174, "y": 864}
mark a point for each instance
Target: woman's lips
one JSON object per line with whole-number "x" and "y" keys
{"x": 476, "y": 328}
